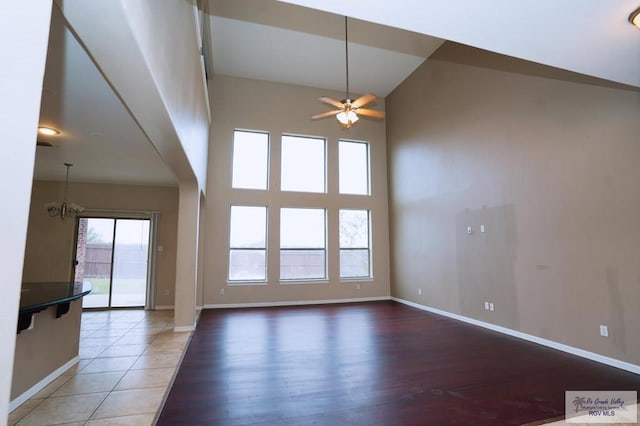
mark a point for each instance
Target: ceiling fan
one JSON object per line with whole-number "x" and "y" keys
{"x": 348, "y": 109}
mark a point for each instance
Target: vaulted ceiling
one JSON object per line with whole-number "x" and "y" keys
{"x": 302, "y": 42}
{"x": 295, "y": 45}
{"x": 591, "y": 37}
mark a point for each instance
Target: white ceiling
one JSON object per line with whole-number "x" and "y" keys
{"x": 262, "y": 52}
{"x": 98, "y": 137}
{"x": 275, "y": 41}
{"x": 285, "y": 42}
{"x": 591, "y": 37}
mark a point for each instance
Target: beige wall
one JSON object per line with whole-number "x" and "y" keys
{"x": 277, "y": 109}
{"x": 550, "y": 167}
{"x": 51, "y": 343}
{"x": 49, "y": 249}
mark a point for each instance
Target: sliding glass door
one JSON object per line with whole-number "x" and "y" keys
{"x": 113, "y": 255}
{"x": 130, "y": 263}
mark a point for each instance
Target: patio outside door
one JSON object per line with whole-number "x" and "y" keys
{"x": 113, "y": 255}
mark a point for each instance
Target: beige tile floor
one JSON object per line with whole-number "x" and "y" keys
{"x": 127, "y": 362}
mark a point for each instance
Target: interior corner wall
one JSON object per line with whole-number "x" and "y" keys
{"x": 551, "y": 168}
{"x": 280, "y": 108}
{"x": 49, "y": 248}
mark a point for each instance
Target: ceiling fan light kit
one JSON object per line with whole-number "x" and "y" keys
{"x": 348, "y": 109}
{"x": 347, "y": 118}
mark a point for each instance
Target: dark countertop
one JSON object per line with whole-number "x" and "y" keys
{"x": 35, "y": 297}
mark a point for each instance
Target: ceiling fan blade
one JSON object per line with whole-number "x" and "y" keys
{"x": 332, "y": 102}
{"x": 363, "y": 100}
{"x": 370, "y": 113}
{"x": 325, "y": 114}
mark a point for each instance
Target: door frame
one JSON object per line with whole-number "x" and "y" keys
{"x": 153, "y": 218}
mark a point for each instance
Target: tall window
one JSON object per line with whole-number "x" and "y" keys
{"x": 303, "y": 164}
{"x": 248, "y": 244}
{"x": 303, "y": 244}
{"x": 354, "y": 168}
{"x": 355, "y": 247}
{"x": 250, "y": 160}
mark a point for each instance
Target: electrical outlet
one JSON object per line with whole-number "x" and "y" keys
{"x": 469, "y": 230}
{"x": 604, "y": 331}
{"x": 222, "y": 291}
{"x": 482, "y": 228}
{"x": 419, "y": 292}
{"x": 486, "y": 306}
{"x": 491, "y": 306}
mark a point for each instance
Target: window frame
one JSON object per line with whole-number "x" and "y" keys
{"x": 325, "y": 141}
{"x": 368, "y": 163}
{"x": 325, "y": 278}
{"x": 268, "y": 159}
{"x": 369, "y": 248}
{"x": 240, "y": 282}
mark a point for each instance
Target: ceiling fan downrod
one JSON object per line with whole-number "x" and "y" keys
{"x": 346, "y": 54}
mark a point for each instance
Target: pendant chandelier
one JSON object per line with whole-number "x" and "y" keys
{"x": 65, "y": 209}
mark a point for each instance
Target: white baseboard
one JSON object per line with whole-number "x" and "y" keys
{"x": 184, "y": 328}
{"x": 42, "y": 384}
{"x": 623, "y": 365}
{"x": 168, "y": 307}
{"x": 295, "y": 303}
{"x": 163, "y": 307}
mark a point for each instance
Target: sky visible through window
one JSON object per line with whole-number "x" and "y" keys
{"x": 250, "y": 160}
{"x": 129, "y": 231}
{"x": 298, "y": 227}
{"x": 303, "y": 164}
{"x": 302, "y": 228}
{"x": 248, "y": 227}
{"x": 354, "y": 168}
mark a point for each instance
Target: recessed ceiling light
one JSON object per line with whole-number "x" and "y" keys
{"x": 634, "y": 18}
{"x": 48, "y": 131}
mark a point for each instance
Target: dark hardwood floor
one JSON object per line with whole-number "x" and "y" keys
{"x": 378, "y": 363}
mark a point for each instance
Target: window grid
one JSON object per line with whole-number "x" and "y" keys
{"x": 305, "y": 262}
